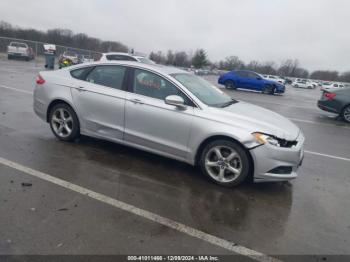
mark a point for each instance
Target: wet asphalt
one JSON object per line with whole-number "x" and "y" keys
{"x": 310, "y": 215}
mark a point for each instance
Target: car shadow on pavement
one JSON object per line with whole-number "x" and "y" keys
{"x": 260, "y": 208}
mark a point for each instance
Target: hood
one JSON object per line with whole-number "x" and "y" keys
{"x": 257, "y": 119}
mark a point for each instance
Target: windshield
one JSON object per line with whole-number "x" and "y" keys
{"x": 145, "y": 60}
{"x": 203, "y": 90}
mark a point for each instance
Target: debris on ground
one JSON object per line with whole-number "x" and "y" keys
{"x": 26, "y": 184}
{"x": 62, "y": 209}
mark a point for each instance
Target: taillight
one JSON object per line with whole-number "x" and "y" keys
{"x": 329, "y": 96}
{"x": 40, "y": 80}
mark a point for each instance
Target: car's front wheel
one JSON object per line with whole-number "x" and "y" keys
{"x": 346, "y": 113}
{"x": 268, "y": 90}
{"x": 64, "y": 122}
{"x": 229, "y": 84}
{"x": 225, "y": 163}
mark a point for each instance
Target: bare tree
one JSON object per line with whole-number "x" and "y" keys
{"x": 181, "y": 59}
{"x": 60, "y": 36}
{"x": 170, "y": 57}
{"x": 325, "y": 75}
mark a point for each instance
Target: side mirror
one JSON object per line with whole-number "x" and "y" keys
{"x": 175, "y": 100}
{"x": 259, "y": 78}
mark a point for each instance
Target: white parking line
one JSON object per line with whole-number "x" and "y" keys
{"x": 279, "y": 104}
{"x": 16, "y": 89}
{"x": 325, "y": 155}
{"x": 241, "y": 250}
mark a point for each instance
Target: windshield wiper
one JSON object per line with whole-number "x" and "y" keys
{"x": 231, "y": 102}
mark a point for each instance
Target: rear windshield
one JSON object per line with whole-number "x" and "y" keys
{"x": 18, "y": 44}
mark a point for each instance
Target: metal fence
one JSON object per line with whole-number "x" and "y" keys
{"x": 38, "y": 49}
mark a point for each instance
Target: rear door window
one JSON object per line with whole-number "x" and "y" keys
{"x": 242, "y": 73}
{"x": 81, "y": 73}
{"x": 108, "y": 75}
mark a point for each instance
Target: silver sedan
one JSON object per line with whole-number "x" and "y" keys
{"x": 172, "y": 113}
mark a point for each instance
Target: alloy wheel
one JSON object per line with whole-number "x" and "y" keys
{"x": 223, "y": 164}
{"x": 229, "y": 85}
{"x": 62, "y": 122}
{"x": 346, "y": 114}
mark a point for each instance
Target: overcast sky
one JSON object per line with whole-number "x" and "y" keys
{"x": 314, "y": 31}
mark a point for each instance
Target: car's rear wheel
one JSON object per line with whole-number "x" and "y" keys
{"x": 64, "y": 122}
{"x": 225, "y": 163}
{"x": 229, "y": 84}
{"x": 346, "y": 113}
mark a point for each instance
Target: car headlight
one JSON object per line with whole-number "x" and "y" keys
{"x": 266, "y": 139}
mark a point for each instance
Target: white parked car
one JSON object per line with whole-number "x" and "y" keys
{"x": 314, "y": 84}
{"x": 275, "y": 78}
{"x": 328, "y": 86}
{"x": 302, "y": 83}
{"x": 125, "y": 57}
{"x": 19, "y": 50}
{"x": 86, "y": 59}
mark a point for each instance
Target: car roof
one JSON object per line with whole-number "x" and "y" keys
{"x": 158, "y": 68}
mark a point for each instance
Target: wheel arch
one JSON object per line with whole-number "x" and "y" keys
{"x": 55, "y": 102}
{"x": 230, "y": 80}
{"x": 343, "y": 108}
{"x": 224, "y": 137}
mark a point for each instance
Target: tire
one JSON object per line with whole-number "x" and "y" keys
{"x": 9, "y": 57}
{"x": 229, "y": 84}
{"x": 346, "y": 114}
{"x": 268, "y": 90}
{"x": 65, "y": 128}
{"x": 222, "y": 170}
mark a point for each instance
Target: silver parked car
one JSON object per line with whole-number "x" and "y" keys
{"x": 172, "y": 113}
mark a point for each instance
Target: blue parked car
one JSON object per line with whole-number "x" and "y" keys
{"x": 250, "y": 80}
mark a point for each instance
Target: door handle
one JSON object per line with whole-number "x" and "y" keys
{"x": 80, "y": 88}
{"x": 136, "y": 101}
